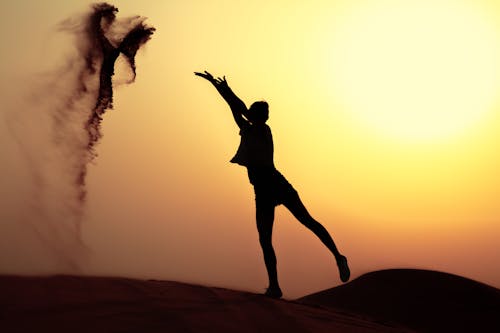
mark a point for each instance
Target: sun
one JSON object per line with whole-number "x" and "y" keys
{"x": 416, "y": 69}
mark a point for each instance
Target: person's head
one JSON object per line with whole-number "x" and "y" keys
{"x": 258, "y": 112}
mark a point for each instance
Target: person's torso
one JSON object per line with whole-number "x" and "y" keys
{"x": 256, "y": 147}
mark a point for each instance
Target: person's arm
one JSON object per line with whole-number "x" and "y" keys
{"x": 238, "y": 107}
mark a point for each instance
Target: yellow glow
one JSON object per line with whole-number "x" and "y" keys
{"x": 416, "y": 69}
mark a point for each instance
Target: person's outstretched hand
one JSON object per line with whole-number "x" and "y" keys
{"x": 221, "y": 81}
{"x": 215, "y": 81}
{"x": 206, "y": 75}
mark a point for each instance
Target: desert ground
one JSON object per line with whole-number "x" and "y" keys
{"x": 383, "y": 301}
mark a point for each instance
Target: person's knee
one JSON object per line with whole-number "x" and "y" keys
{"x": 265, "y": 241}
{"x": 311, "y": 223}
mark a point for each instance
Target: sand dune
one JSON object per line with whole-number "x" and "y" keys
{"x": 384, "y": 301}
{"x": 101, "y": 304}
{"x": 426, "y": 301}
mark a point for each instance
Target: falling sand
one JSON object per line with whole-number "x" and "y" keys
{"x": 53, "y": 134}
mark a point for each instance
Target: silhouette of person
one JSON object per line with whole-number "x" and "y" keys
{"x": 255, "y": 152}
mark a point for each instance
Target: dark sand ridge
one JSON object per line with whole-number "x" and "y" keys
{"x": 104, "y": 304}
{"x": 426, "y": 301}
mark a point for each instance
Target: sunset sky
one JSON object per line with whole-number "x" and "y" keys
{"x": 385, "y": 116}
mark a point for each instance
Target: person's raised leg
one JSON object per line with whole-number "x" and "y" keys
{"x": 265, "y": 220}
{"x": 297, "y": 208}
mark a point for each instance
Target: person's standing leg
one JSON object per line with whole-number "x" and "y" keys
{"x": 297, "y": 208}
{"x": 265, "y": 220}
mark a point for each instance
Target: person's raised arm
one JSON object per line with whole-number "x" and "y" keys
{"x": 238, "y": 107}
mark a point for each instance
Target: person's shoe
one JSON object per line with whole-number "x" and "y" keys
{"x": 344, "y": 271}
{"x": 273, "y": 292}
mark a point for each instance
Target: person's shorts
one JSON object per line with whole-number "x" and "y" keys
{"x": 270, "y": 186}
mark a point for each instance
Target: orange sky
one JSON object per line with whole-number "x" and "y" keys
{"x": 385, "y": 118}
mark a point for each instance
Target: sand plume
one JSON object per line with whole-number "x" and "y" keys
{"x": 51, "y": 136}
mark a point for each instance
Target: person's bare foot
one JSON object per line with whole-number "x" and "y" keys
{"x": 344, "y": 271}
{"x": 273, "y": 292}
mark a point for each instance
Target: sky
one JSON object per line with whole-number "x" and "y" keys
{"x": 385, "y": 118}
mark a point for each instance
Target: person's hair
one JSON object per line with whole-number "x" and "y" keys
{"x": 259, "y": 111}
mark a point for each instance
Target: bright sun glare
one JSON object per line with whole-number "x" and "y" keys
{"x": 416, "y": 69}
